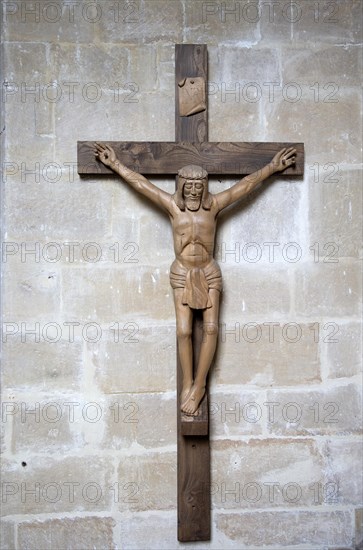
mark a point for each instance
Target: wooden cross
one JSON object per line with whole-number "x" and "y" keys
{"x": 191, "y": 147}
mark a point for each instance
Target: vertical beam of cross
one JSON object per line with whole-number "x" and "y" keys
{"x": 193, "y": 450}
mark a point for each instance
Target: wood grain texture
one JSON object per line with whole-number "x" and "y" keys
{"x": 194, "y": 491}
{"x": 190, "y": 60}
{"x": 194, "y": 515}
{"x": 197, "y": 425}
{"x": 166, "y": 158}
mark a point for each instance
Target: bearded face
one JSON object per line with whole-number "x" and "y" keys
{"x": 192, "y": 189}
{"x": 192, "y": 193}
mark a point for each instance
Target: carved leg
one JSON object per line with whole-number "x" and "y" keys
{"x": 184, "y": 327}
{"x": 207, "y": 350}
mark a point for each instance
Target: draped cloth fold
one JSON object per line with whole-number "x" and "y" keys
{"x": 196, "y": 283}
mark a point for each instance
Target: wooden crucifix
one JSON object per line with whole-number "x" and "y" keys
{"x": 194, "y": 275}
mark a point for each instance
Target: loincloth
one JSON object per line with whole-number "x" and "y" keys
{"x": 196, "y": 283}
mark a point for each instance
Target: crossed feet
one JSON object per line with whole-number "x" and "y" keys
{"x": 191, "y": 397}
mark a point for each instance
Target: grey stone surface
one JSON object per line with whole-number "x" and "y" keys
{"x": 73, "y": 532}
{"x": 278, "y": 71}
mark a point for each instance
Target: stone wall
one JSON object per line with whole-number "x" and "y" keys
{"x": 88, "y": 419}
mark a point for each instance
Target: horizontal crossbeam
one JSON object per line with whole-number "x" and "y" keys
{"x": 164, "y": 158}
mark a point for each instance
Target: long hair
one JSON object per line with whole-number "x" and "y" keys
{"x": 192, "y": 172}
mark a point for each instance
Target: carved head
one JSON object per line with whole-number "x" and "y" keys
{"x": 192, "y": 190}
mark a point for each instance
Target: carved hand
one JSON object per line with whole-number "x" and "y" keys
{"x": 283, "y": 159}
{"x": 105, "y": 154}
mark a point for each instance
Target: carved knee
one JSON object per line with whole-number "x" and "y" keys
{"x": 210, "y": 328}
{"x": 183, "y": 332}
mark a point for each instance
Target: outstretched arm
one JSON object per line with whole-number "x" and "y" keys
{"x": 107, "y": 156}
{"x": 282, "y": 159}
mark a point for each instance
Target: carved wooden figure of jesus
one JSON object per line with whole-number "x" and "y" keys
{"x": 195, "y": 276}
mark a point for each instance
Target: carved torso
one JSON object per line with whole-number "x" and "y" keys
{"x": 194, "y": 234}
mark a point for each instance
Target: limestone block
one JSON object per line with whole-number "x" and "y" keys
{"x": 288, "y": 528}
{"x": 152, "y": 482}
{"x": 215, "y": 67}
{"x": 76, "y": 532}
{"x": 275, "y": 21}
{"x": 112, "y": 116}
{"x": 127, "y": 201}
{"x": 336, "y": 410}
{"x": 152, "y": 231}
{"x": 334, "y": 212}
{"x": 236, "y": 89}
{"x": 161, "y": 20}
{"x": 264, "y": 473}
{"x": 246, "y": 65}
{"x": 136, "y": 220}
{"x": 26, "y": 65}
{"x": 344, "y": 356}
{"x": 322, "y": 64}
{"x": 225, "y": 108}
{"x": 154, "y": 531}
{"x": 28, "y": 149}
{"x": 120, "y": 249}
{"x": 28, "y": 101}
{"x": 47, "y": 211}
{"x": 236, "y": 413}
{"x": 96, "y": 234}
{"x": 157, "y": 531}
{"x": 215, "y": 22}
{"x": 81, "y": 64}
{"x": 3, "y": 437}
{"x": 44, "y": 118}
{"x": 265, "y": 354}
{"x": 32, "y": 292}
{"x": 147, "y": 420}
{"x": 337, "y": 23}
{"x": 258, "y": 238}
{"x": 250, "y": 291}
{"x": 135, "y": 358}
{"x": 144, "y": 69}
{"x": 328, "y": 289}
{"x": 343, "y": 466}
{"x": 300, "y": 118}
{"x": 44, "y": 364}
{"x": 7, "y": 535}
{"x": 165, "y": 66}
{"x": 49, "y": 485}
{"x": 46, "y": 423}
{"x": 122, "y": 295}
{"x": 143, "y": 22}
{"x": 42, "y": 22}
